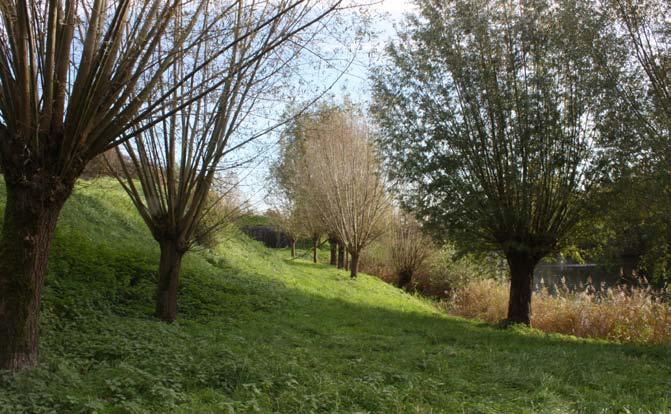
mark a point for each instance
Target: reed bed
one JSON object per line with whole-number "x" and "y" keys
{"x": 623, "y": 314}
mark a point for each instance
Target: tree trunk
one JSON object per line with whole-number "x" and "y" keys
{"x": 315, "y": 246}
{"x": 341, "y": 256}
{"x": 168, "y": 280}
{"x": 522, "y": 266}
{"x": 333, "y": 244}
{"x": 404, "y": 278}
{"x": 293, "y": 248}
{"x": 31, "y": 213}
{"x": 346, "y": 260}
{"x": 354, "y": 265}
{"x": 627, "y": 268}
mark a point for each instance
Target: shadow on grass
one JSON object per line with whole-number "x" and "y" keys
{"x": 353, "y": 342}
{"x": 449, "y": 325}
{"x": 238, "y": 329}
{"x": 258, "y": 333}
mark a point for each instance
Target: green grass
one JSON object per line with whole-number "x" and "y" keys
{"x": 259, "y": 333}
{"x": 253, "y": 220}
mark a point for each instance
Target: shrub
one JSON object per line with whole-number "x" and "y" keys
{"x": 374, "y": 260}
{"x": 623, "y": 314}
{"x": 409, "y": 250}
{"x": 448, "y": 271}
{"x": 440, "y": 274}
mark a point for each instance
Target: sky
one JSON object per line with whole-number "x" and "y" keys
{"x": 352, "y": 83}
{"x": 387, "y": 13}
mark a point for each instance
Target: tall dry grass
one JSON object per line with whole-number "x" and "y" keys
{"x": 620, "y": 314}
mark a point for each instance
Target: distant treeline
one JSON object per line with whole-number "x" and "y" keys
{"x": 267, "y": 235}
{"x": 271, "y": 237}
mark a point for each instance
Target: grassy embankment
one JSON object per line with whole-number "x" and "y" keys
{"x": 259, "y": 333}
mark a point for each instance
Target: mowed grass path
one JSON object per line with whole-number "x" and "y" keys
{"x": 260, "y": 333}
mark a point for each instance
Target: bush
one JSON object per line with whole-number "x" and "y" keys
{"x": 374, "y": 260}
{"x": 440, "y": 275}
{"x": 623, "y": 314}
{"x": 484, "y": 299}
{"x": 448, "y": 271}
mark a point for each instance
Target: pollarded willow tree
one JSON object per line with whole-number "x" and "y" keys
{"x": 289, "y": 188}
{"x": 343, "y": 179}
{"x": 282, "y": 196}
{"x": 489, "y": 110}
{"x": 177, "y": 159}
{"x": 288, "y": 224}
{"x": 76, "y": 76}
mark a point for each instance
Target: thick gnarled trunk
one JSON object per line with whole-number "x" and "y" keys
{"x": 341, "y": 256}
{"x": 168, "y": 280}
{"x": 293, "y": 248}
{"x": 521, "y": 286}
{"x": 31, "y": 213}
{"x": 404, "y": 279}
{"x": 354, "y": 265}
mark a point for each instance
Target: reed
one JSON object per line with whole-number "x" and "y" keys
{"x": 623, "y": 314}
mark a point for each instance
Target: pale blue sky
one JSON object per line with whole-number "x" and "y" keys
{"x": 353, "y": 83}
{"x": 386, "y": 14}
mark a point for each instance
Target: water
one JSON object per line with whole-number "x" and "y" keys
{"x": 577, "y": 276}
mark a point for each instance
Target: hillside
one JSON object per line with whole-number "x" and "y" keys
{"x": 259, "y": 333}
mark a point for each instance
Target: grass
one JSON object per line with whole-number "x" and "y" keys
{"x": 259, "y": 333}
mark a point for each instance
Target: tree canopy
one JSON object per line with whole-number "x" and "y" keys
{"x": 490, "y": 110}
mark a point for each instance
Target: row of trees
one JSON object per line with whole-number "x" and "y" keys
{"x": 502, "y": 119}
{"x": 167, "y": 83}
{"x": 328, "y": 180}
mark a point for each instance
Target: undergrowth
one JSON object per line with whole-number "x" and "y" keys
{"x": 623, "y": 314}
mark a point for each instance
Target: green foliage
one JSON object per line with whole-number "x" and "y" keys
{"x": 449, "y": 270}
{"x": 630, "y": 220}
{"x": 445, "y": 269}
{"x": 488, "y": 109}
{"x": 254, "y": 220}
{"x": 629, "y": 223}
{"x": 258, "y": 333}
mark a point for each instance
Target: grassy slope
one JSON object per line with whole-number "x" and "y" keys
{"x": 259, "y": 333}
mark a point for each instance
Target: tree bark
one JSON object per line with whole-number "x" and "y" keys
{"x": 627, "y": 268}
{"x": 347, "y": 256}
{"x": 404, "y": 279}
{"x": 522, "y": 266}
{"x": 31, "y": 213}
{"x": 354, "y": 265}
{"x": 333, "y": 244}
{"x": 293, "y": 248}
{"x": 315, "y": 246}
{"x": 168, "y": 280}
{"x": 341, "y": 256}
